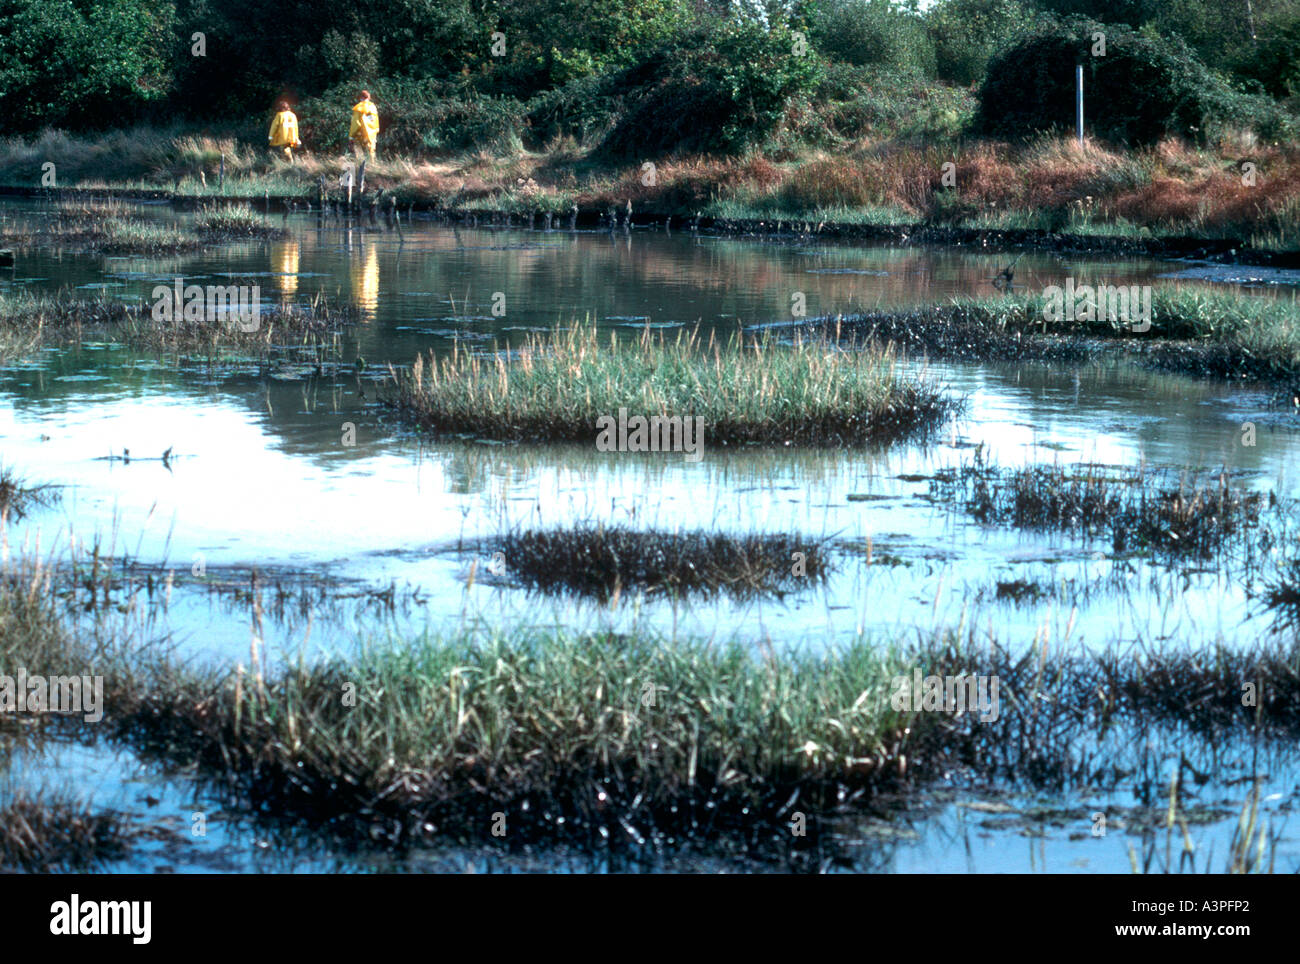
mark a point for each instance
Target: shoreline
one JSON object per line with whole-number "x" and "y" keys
{"x": 1227, "y": 251}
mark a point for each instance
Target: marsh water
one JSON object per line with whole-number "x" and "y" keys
{"x": 368, "y": 530}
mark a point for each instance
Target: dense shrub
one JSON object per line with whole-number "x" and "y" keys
{"x": 260, "y": 49}
{"x": 82, "y": 65}
{"x": 873, "y": 32}
{"x": 1143, "y": 89}
{"x": 967, "y": 33}
{"x": 585, "y": 108}
{"x": 1218, "y": 30}
{"x": 725, "y": 88}
{"x": 853, "y": 102}
{"x": 415, "y": 117}
{"x": 552, "y": 42}
{"x": 1275, "y": 63}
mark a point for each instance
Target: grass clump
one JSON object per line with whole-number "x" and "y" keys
{"x": 17, "y": 497}
{"x": 622, "y": 739}
{"x": 45, "y": 836}
{"x": 1281, "y": 597}
{"x": 619, "y": 740}
{"x": 604, "y": 561}
{"x": 600, "y": 735}
{"x": 236, "y": 222}
{"x": 35, "y": 637}
{"x": 102, "y": 227}
{"x": 38, "y": 320}
{"x": 752, "y": 390}
{"x": 1138, "y": 511}
{"x": 115, "y": 228}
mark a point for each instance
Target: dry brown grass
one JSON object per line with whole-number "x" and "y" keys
{"x": 682, "y": 183}
{"x": 1172, "y": 187}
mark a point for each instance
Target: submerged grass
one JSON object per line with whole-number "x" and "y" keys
{"x": 1281, "y": 597}
{"x": 746, "y": 390}
{"x": 1139, "y": 512}
{"x": 606, "y": 561}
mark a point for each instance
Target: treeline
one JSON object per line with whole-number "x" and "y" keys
{"x": 636, "y": 76}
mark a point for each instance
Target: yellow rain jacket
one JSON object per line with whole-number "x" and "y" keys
{"x": 365, "y": 125}
{"x": 284, "y": 130}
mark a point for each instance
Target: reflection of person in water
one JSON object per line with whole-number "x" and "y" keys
{"x": 284, "y": 263}
{"x": 365, "y": 280}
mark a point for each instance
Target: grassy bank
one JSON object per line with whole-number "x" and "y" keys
{"x": 1193, "y": 331}
{"x": 1049, "y": 185}
{"x": 747, "y": 390}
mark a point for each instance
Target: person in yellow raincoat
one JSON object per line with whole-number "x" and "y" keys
{"x": 365, "y": 124}
{"x": 284, "y": 131}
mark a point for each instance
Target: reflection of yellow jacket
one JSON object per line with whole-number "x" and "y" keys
{"x": 365, "y": 124}
{"x": 284, "y": 130}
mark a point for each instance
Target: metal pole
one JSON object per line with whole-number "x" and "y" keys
{"x": 1078, "y": 102}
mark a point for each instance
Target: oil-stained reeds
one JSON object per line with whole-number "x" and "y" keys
{"x": 1188, "y": 516}
{"x": 41, "y": 834}
{"x": 603, "y": 561}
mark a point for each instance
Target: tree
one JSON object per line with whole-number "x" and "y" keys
{"x": 64, "y": 63}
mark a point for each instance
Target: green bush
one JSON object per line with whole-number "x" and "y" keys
{"x": 475, "y": 121}
{"x": 585, "y": 108}
{"x": 550, "y": 43}
{"x": 723, "y": 88}
{"x": 851, "y": 102}
{"x": 415, "y": 117}
{"x": 82, "y": 65}
{"x": 872, "y": 33}
{"x": 1143, "y": 88}
{"x": 967, "y": 33}
{"x": 1275, "y": 64}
